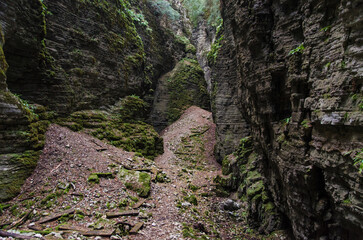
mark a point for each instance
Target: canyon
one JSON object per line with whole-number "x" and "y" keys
{"x": 281, "y": 78}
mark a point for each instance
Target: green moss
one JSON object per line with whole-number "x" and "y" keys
{"x": 136, "y": 181}
{"x": 254, "y": 189}
{"x": 120, "y": 129}
{"x": 269, "y": 207}
{"x": 162, "y": 178}
{"x": 186, "y": 87}
{"x": 133, "y": 108}
{"x": 192, "y": 199}
{"x": 217, "y": 44}
{"x": 144, "y": 179}
{"x": 193, "y": 187}
{"x": 93, "y": 178}
{"x": 225, "y": 166}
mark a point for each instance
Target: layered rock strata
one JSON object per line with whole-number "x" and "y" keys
{"x": 299, "y": 86}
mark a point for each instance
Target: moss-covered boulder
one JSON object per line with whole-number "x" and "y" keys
{"x": 177, "y": 90}
{"x": 119, "y": 128}
{"x": 186, "y": 86}
{"x": 136, "y": 181}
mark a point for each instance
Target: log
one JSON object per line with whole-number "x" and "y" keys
{"x": 14, "y": 235}
{"x": 72, "y": 228}
{"x": 56, "y": 216}
{"x": 136, "y": 228}
{"x": 124, "y": 223}
{"x": 199, "y": 133}
{"x": 20, "y": 221}
{"x": 102, "y": 233}
{"x": 125, "y": 213}
{"x": 35, "y": 227}
{"x": 139, "y": 203}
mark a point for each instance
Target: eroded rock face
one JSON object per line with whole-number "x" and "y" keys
{"x": 299, "y": 85}
{"x": 177, "y": 90}
{"x": 71, "y": 55}
{"x": 231, "y": 126}
{"x": 21, "y": 136}
{"x": 74, "y": 55}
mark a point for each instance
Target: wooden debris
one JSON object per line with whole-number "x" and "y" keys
{"x": 56, "y": 216}
{"x": 72, "y": 228}
{"x": 20, "y": 221}
{"x": 139, "y": 203}
{"x": 142, "y": 169}
{"x": 154, "y": 172}
{"x": 101, "y": 149}
{"x": 125, "y": 223}
{"x": 136, "y": 228}
{"x": 35, "y": 227}
{"x": 125, "y": 213}
{"x": 199, "y": 133}
{"x": 102, "y": 233}
{"x": 14, "y": 235}
{"x": 185, "y": 153}
{"x": 5, "y": 223}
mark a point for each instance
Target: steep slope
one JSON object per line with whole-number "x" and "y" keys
{"x": 299, "y": 87}
{"x": 81, "y": 183}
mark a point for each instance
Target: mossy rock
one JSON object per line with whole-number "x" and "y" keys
{"x": 136, "y": 181}
{"x": 93, "y": 178}
{"x": 20, "y": 167}
{"x": 133, "y": 108}
{"x": 187, "y": 87}
{"x": 130, "y": 135}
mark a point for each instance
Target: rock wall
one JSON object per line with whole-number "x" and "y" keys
{"x": 177, "y": 90}
{"x": 21, "y": 136}
{"x": 74, "y": 55}
{"x": 71, "y": 55}
{"x": 299, "y": 86}
{"x": 231, "y": 126}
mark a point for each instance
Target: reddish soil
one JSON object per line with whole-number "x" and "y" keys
{"x": 170, "y": 212}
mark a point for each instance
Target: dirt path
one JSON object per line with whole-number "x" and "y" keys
{"x": 182, "y": 203}
{"x": 187, "y": 161}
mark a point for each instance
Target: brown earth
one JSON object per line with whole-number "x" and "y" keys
{"x": 184, "y": 206}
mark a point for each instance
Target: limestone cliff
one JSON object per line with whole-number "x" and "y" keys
{"x": 74, "y": 55}
{"x": 21, "y": 136}
{"x": 298, "y": 84}
{"x": 68, "y": 56}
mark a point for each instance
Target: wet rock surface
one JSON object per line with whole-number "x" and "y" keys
{"x": 299, "y": 87}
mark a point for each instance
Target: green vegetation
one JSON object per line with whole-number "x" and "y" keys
{"x": 123, "y": 129}
{"x": 306, "y": 123}
{"x": 325, "y": 29}
{"x": 133, "y": 108}
{"x": 164, "y": 8}
{"x": 192, "y": 199}
{"x": 136, "y": 181}
{"x": 298, "y": 49}
{"x": 358, "y": 160}
{"x": 203, "y": 9}
{"x": 213, "y": 53}
{"x": 93, "y": 178}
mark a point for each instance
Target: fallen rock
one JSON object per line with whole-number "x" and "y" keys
{"x": 230, "y": 205}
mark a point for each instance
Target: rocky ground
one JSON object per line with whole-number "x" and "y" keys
{"x": 84, "y": 188}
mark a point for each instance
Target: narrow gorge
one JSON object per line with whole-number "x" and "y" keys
{"x": 181, "y": 119}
